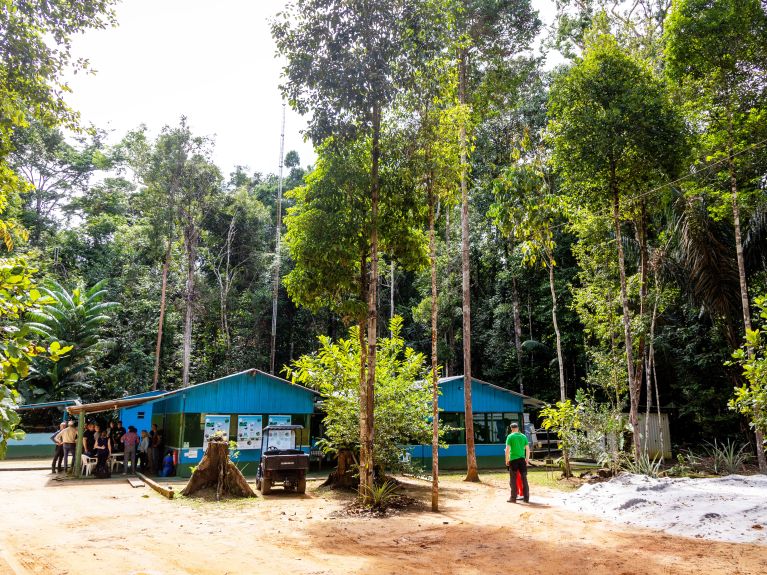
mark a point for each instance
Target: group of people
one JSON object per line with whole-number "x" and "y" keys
{"x": 144, "y": 451}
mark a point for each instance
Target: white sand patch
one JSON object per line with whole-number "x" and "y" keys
{"x": 732, "y": 508}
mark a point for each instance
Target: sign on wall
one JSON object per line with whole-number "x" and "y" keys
{"x": 279, "y": 420}
{"x": 215, "y": 424}
{"x": 249, "y": 431}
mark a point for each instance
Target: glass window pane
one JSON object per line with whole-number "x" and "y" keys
{"x": 481, "y": 428}
{"x": 456, "y": 421}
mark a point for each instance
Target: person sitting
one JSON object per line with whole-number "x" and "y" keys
{"x": 167, "y": 465}
{"x": 102, "y": 456}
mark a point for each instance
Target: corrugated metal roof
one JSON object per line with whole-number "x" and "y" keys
{"x": 527, "y": 399}
{"x": 152, "y": 397}
{"x": 46, "y": 404}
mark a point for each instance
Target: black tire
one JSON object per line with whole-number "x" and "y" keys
{"x": 266, "y": 485}
{"x": 258, "y": 484}
{"x": 301, "y": 485}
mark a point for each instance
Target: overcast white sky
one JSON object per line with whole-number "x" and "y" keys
{"x": 211, "y": 61}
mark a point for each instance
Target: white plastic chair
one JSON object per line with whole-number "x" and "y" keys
{"x": 116, "y": 460}
{"x": 88, "y": 465}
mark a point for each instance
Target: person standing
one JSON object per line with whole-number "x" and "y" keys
{"x": 517, "y": 460}
{"x": 58, "y": 451}
{"x": 143, "y": 450}
{"x": 68, "y": 439}
{"x": 130, "y": 441}
{"x": 89, "y": 439}
{"x": 101, "y": 448}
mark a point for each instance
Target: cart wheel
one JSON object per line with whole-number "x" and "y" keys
{"x": 266, "y": 485}
{"x": 301, "y": 486}
{"x": 258, "y": 484}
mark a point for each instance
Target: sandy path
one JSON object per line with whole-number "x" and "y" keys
{"x": 108, "y": 527}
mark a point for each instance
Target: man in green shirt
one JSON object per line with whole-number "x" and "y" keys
{"x": 517, "y": 458}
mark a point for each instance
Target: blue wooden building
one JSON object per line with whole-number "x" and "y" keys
{"x": 246, "y": 400}
{"x": 494, "y": 409}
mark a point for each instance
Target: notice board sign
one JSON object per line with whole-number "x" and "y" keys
{"x": 249, "y": 429}
{"x": 282, "y": 439}
{"x": 279, "y": 420}
{"x": 215, "y": 424}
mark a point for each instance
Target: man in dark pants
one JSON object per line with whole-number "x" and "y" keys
{"x": 58, "y": 453}
{"x": 517, "y": 459}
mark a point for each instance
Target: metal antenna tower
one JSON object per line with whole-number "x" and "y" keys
{"x": 277, "y": 234}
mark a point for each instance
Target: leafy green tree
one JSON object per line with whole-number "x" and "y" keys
{"x": 713, "y": 51}
{"x": 345, "y": 62}
{"x": 526, "y": 210}
{"x": 564, "y": 418}
{"x": 55, "y": 169}
{"x": 751, "y": 397}
{"x": 35, "y": 52}
{"x": 489, "y": 37}
{"x": 71, "y": 324}
{"x": 403, "y": 402}
{"x": 614, "y": 131}
{"x": 200, "y": 182}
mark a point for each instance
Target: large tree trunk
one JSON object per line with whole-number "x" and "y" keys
{"x": 633, "y": 399}
{"x": 434, "y": 366}
{"x": 161, "y": 325}
{"x": 471, "y": 456}
{"x": 216, "y": 469}
{"x": 367, "y": 425}
{"x": 760, "y": 456}
{"x": 343, "y": 475}
{"x": 644, "y": 262}
{"x": 560, "y": 359}
{"x": 190, "y": 239}
{"x": 517, "y": 330}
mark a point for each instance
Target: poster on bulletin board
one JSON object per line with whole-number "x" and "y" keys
{"x": 215, "y": 424}
{"x": 282, "y": 439}
{"x": 249, "y": 431}
{"x": 279, "y": 420}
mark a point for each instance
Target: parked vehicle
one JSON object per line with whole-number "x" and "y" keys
{"x": 281, "y": 463}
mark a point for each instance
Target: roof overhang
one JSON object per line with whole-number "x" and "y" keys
{"x": 133, "y": 401}
{"x": 526, "y": 399}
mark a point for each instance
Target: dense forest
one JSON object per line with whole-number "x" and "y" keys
{"x": 599, "y": 228}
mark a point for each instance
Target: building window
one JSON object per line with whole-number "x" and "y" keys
{"x": 456, "y": 422}
{"x": 481, "y": 428}
{"x": 140, "y": 415}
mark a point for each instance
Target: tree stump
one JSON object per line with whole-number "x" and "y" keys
{"x": 215, "y": 469}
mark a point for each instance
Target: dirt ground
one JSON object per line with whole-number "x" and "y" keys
{"x": 65, "y": 527}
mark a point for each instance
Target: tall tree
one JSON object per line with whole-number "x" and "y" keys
{"x": 614, "y": 131}
{"x": 717, "y": 51}
{"x": 200, "y": 181}
{"x": 345, "y": 62}
{"x": 526, "y": 210}
{"x": 35, "y": 43}
{"x": 488, "y": 36}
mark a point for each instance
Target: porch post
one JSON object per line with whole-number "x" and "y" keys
{"x": 77, "y": 463}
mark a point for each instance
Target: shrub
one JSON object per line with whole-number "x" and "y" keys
{"x": 727, "y": 458}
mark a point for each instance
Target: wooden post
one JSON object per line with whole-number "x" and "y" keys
{"x": 77, "y": 463}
